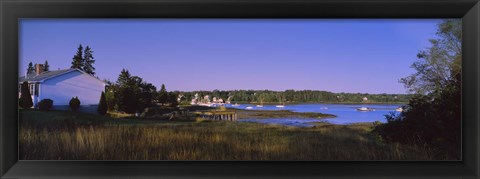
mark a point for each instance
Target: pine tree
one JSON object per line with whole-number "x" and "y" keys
{"x": 163, "y": 95}
{"x": 46, "y": 67}
{"x": 30, "y": 68}
{"x": 102, "y": 105}
{"x": 25, "y": 100}
{"x": 88, "y": 61}
{"x": 124, "y": 77}
{"x": 78, "y": 61}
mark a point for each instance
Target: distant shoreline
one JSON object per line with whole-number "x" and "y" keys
{"x": 286, "y": 103}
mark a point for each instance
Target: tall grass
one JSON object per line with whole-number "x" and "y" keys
{"x": 204, "y": 141}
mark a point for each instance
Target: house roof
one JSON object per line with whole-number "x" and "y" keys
{"x": 50, "y": 74}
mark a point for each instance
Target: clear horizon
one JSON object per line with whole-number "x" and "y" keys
{"x": 351, "y": 56}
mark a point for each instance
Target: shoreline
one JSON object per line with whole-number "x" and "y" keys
{"x": 292, "y": 103}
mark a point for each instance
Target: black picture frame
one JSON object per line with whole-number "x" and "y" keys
{"x": 12, "y": 10}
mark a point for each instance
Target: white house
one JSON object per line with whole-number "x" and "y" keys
{"x": 61, "y": 85}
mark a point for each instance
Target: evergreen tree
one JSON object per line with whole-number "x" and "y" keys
{"x": 125, "y": 97}
{"x": 88, "y": 61}
{"x": 30, "y": 68}
{"x": 46, "y": 67}
{"x": 102, "y": 105}
{"x": 163, "y": 95}
{"x": 25, "y": 100}
{"x": 78, "y": 61}
{"x": 124, "y": 77}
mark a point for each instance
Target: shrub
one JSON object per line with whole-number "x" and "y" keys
{"x": 102, "y": 105}
{"x": 45, "y": 104}
{"x": 25, "y": 100}
{"x": 74, "y": 103}
{"x": 426, "y": 122}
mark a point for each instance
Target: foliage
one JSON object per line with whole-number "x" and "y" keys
{"x": 147, "y": 94}
{"x": 433, "y": 117}
{"x": 110, "y": 95}
{"x": 131, "y": 93}
{"x": 74, "y": 103}
{"x": 102, "y": 105}
{"x": 25, "y": 100}
{"x": 440, "y": 63}
{"x": 88, "y": 61}
{"x": 46, "y": 66}
{"x": 163, "y": 97}
{"x": 77, "y": 60}
{"x": 172, "y": 99}
{"x": 30, "y": 68}
{"x": 45, "y": 104}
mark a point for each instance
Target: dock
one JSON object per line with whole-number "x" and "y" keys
{"x": 217, "y": 115}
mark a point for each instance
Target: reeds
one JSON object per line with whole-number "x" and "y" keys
{"x": 206, "y": 141}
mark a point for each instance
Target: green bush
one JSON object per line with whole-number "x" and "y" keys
{"x": 74, "y": 104}
{"x": 45, "y": 104}
{"x": 102, "y": 105}
{"x": 25, "y": 100}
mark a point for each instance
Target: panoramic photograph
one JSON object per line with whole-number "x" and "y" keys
{"x": 240, "y": 89}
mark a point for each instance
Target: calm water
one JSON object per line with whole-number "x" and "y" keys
{"x": 346, "y": 113}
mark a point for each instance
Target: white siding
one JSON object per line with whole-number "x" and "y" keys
{"x": 62, "y": 88}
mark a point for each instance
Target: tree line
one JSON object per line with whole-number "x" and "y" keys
{"x": 297, "y": 96}
{"x": 131, "y": 94}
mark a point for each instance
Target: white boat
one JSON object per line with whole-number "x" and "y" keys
{"x": 249, "y": 107}
{"x": 365, "y": 109}
{"x": 325, "y": 108}
{"x": 259, "y": 106}
{"x": 280, "y": 106}
{"x": 236, "y": 104}
{"x": 400, "y": 109}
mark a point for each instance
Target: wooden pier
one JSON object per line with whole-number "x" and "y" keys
{"x": 218, "y": 115}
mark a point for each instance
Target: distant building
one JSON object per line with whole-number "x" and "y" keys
{"x": 365, "y": 98}
{"x": 61, "y": 85}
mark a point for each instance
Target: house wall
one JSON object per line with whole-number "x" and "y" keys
{"x": 62, "y": 88}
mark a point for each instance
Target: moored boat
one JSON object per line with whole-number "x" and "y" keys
{"x": 365, "y": 109}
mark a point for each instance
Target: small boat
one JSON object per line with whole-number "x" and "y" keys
{"x": 400, "y": 109}
{"x": 259, "y": 106}
{"x": 236, "y": 104}
{"x": 325, "y": 108}
{"x": 280, "y": 106}
{"x": 365, "y": 109}
{"x": 249, "y": 107}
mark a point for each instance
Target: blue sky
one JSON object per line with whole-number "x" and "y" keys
{"x": 347, "y": 55}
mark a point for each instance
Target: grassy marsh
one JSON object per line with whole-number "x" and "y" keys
{"x": 63, "y": 135}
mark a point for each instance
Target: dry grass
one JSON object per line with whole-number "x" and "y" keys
{"x": 160, "y": 140}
